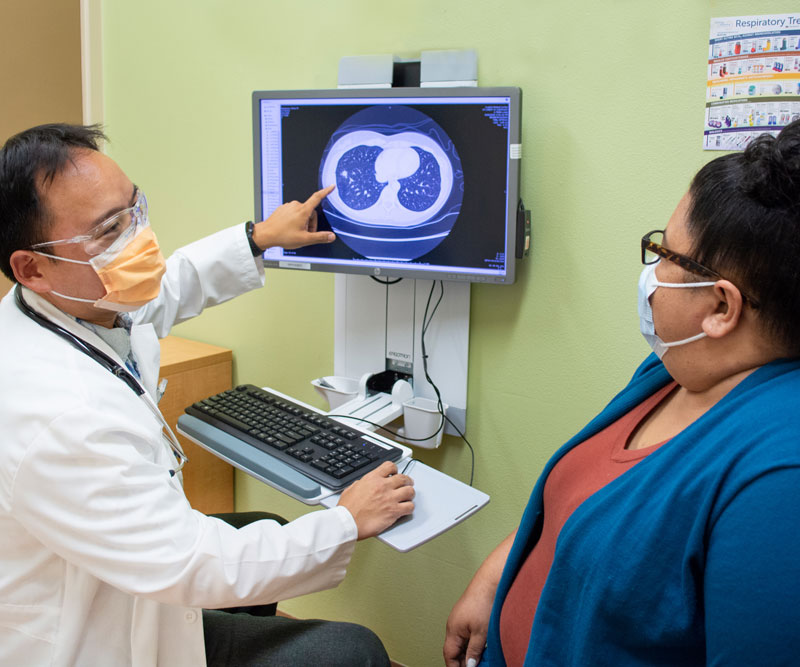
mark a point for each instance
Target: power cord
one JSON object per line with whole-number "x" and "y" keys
{"x": 425, "y": 324}
{"x": 383, "y": 428}
{"x": 388, "y": 281}
{"x": 426, "y": 321}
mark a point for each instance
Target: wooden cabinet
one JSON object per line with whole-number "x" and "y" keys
{"x": 195, "y": 371}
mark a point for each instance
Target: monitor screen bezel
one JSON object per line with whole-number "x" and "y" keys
{"x": 412, "y": 271}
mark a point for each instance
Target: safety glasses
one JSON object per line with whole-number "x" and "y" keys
{"x": 118, "y": 228}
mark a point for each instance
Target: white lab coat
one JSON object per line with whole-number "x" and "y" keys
{"x": 102, "y": 560}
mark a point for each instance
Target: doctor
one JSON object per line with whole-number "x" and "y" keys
{"x": 102, "y": 560}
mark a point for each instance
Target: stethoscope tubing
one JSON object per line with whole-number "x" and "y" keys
{"x": 110, "y": 365}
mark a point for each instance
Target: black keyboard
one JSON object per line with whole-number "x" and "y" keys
{"x": 319, "y": 447}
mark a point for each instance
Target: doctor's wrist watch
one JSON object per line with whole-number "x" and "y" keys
{"x": 249, "y": 227}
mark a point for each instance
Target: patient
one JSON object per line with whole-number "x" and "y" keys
{"x": 666, "y": 531}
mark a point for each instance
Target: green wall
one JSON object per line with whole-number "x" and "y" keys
{"x": 612, "y": 123}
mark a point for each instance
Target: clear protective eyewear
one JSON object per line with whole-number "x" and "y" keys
{"x": 120, "y": 227}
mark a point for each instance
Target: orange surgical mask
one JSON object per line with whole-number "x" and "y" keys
{"x": 131, "y": 273}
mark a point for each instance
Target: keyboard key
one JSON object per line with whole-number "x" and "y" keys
{"x": 359, "y": 461}
{"x": 232, "y": 421}
{"x": 343, "y": 472}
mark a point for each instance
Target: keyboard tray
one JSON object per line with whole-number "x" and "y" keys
{"x": 327, "y": 451}
{"x": 251, "y": 460}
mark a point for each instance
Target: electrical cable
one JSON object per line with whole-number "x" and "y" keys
{"x": 425, "y": 324}
{"x": 383, "y": 428}
{"x": 387, "y": 281}
{"x": 426, "y": 321}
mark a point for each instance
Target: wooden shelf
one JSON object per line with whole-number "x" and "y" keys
{"x": 195, "y": 371}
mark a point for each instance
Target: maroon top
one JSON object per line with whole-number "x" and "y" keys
{"x": 582, "y": 471}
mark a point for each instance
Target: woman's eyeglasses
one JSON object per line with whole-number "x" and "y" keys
{"x": 653, "y": 251}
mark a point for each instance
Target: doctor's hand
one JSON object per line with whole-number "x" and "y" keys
{"x": 293, "y": 224}
{"x": 378, "y": 499}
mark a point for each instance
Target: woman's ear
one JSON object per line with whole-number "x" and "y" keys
{"x": 723, "y": 316}
{"x": 27, "y": 268}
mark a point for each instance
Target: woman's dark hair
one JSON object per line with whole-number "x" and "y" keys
{"x": 27, "y": 159}
{"x": 744, "y": 219}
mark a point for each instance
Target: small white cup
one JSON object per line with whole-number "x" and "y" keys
{"x": 421, "y": 419}
{"x": 341, "y": 389}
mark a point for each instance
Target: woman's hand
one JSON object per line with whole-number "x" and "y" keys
{"x": 468, "y": 623}
{"x": 468, "y": 626}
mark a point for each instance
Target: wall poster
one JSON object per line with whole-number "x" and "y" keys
{"x": 753, "y": 81}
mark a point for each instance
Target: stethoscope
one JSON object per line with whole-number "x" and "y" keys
{"x": 110, "y": 365}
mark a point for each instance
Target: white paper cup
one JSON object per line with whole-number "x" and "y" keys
{"x": 341, "y": 390}
{"x": 422, "y": 419}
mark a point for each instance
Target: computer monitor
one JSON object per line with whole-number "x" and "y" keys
{"x": 427, "y": 179}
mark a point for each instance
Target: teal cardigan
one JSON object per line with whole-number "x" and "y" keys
{"x": 692, "y": 556}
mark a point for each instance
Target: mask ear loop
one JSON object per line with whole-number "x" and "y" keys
{"x": 62, "y": 259}
{"x": 684, "y": 341}
{"x": 647, "y": 287}
{"x": 71, "y": 261}
{"x": 658, "y": 283}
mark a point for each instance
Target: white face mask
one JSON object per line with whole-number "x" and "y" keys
{"x": 647, "y": 285}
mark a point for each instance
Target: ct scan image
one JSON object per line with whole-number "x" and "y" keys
{"x": 399, "y": 183}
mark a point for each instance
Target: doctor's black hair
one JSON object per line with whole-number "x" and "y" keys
{"x": 28, "y": 159}
{"x": 744, "y": 219}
